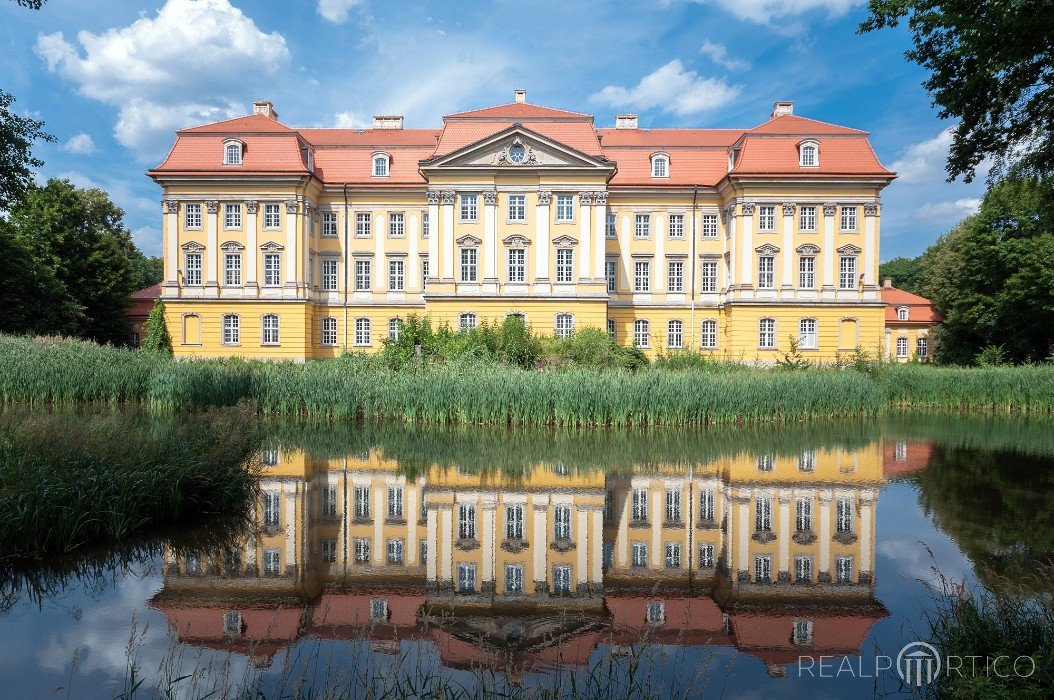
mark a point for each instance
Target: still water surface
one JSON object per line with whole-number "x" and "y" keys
{"x": 674, "y": 562}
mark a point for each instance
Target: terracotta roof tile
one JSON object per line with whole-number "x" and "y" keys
{"x": 254, "y": 123}
{"x": 688, "y": 167}
{"x": 517, "y": 111}
{"x": 354, "y": 166}
{"x": 790, "y": 124}
{"x": 659, "y": 139}
{"x": 151, "y": 292}
{"x": 578, "y": 135}
{"x": 779, "y": 156}
{"x": 379, "y": 138}
{"x": 264, "y": 153}
{"x": 920, "y": 309}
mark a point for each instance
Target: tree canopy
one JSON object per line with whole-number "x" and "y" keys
{"x": 991, "y": 65}
{"x": 907, "y": 273}
{"x": 17, "y": 135}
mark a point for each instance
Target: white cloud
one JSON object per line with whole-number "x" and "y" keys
{"x": 80, "y": 144}
{"x": 673, "y": 89}
{"x": 770, "y": 11}
{"x": 948, "y": 211}
{"x": 207, "y": 49}
{"x": 719, "y": 55}
{"x": 924, "y": 161}
{"x": 351, "y": 120}
{"x": 336, "y": 11}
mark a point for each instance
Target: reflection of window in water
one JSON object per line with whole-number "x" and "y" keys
{"x": 640, "y": 504}
{"x": 673, "y": 505}
{"x": 608, "y": 554}
{"x": 272, "y": 561}
{"x": 362, "y": 550}
{"x": 656, "y": 612}
{"x": 802, "y": 635}
{"x": 673, "y": 555}
{"x": 803, "y": 569}
{"x": 766, "y": 462}
{"x": 395, "y": 551}
{"x": 609, "y": 506}
{"x": 232, "y": 561}
{"x": 395, "y": 502}
{"x": 706, "y": 556}
{"x": 378, "y": 609}
{"x": 640, "y": 554}
{"x": 271, "y": 509}
{"x": 329, "y": 502}
{"x": 763, "y": 515}
{"x": 561, "y": 469}
{"x": 466, "y": 578}
{"x": 561, "y": 579}
{"x": 807, "y": 461}
{"x": 362, "y": 501}
{"x": 514, "y": 522}
{"x": 900, "y": 451}
{"x": 706, "y": 504}
{"x": 562, "y": 525}
{"x": 803, "y": 514}
{"x": 270, "y": 457}
{"x": 844, "y": 519}
{"x": 192, "y": 564}
{"x": 232, "y": 623}
{"x": 466, "y": 522}
{"x": 514, "y": 578}
{"x": 424, "y": 507}
{"x": 424, "y": 552}
{"x": 844, "y": 569}
{"x": 329, "y": 551}
{"x": 762, "y": 568}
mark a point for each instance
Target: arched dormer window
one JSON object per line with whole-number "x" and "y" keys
{"x": 809, "y": 154}
{"x": 660, "y": 165}
{"x": 381, "y": 161}
{"x": 232, "y": 152}
{"x": 902, "y": 313}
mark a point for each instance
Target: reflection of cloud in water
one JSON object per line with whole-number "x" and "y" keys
{"x": 913, "y": 561}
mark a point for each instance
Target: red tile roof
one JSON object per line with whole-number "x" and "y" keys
{"x": 790, "y": 124}
{"x": 263, "y": 154}
{"x": 379, "y": 138}
{"x": 779, "y": 156}
{"x": 659, "y": 139}
{"x": 920, "y": 309}
{"x": 519, "y": 111}
{"x": 252, "y": 124}
{"x": 578, "y": 135}
{"x": 152, "y": 292}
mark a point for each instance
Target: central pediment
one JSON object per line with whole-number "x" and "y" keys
{"x": 517, "y": 148}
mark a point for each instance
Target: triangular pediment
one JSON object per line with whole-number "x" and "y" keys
{"x": 517, "y": 148}
{"x": 565, "y": 242}
{"x": 767, "y": 249}
{"x": 516, "y": 241}
{"x": 849, "y": 249}
{"x": 468, "y": 240}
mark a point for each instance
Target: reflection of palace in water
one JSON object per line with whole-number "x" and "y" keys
{"x": 771, "y": 554}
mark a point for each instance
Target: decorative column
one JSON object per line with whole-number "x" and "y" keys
{"x": 252, "y": 247}
{"x": 433, "y": 235}
{"x": 380, "y": 270}
{"x": 413, "y": 261}
{"x": 824, "y": 575}
{"x": 446, "y": 546}
{"x": 596, "y": 548}
{"x": 490, "y": 243}
{"x": 290, "y": 257}
{"x": 488, "y": 510}
{"x": 585, "y": 225}
{"x": 432, "y": 537}
{"x": 784, "y": 535}
{"x": 447, "y": 231}
{"x": 582, "y": 543}
{"x": 867, "y": 505}
{"x": 622, "y": 535}
{"x": 412, "y": 548}
{"x": 171, "y": 210}
{"x": 747, "y": 237}
{"x": 732, "y": 238}
{"x": 870, "y": 245}
{"x": 600, "y": 212}
{"x": 540, "y": 543}
{"x": 660, "y": 255}
{"x": 788, "y": 249}
{"x": 290, "y": 528}
{"x": 828, "y": 251}
{"x": 212, "y": 208}
{"x": 655, "y": 497}
{"x": 541, "y": 276}
{"x": 379, "y": 550}
{"x": 742, "y": 505}
{"x": 310, "y": 212}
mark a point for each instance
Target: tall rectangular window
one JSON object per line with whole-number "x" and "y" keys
{"x": 329, "y": 224}
{"x": 640, "y": 504}
{"x": 362, "y": 332}
{"x": 192, "y": 216}
{"x": 362, "y": 550}
{"x": 425, "y": 270}
{"x": 843, "y": 567}
{"x": 562, "y": 580}
{"x": 706, "y": 556}
{"x": 192, "y": 269}
{"x": 611, "y": 274}
{"x": 844, "y": 515}
{"x": 469, "y": 267}
{"x": 396, "y": 274}
{"x": 469, "y": 207}
{"x": 807, "y": 334}
{"x": 329, "y": 274}
{"x": 639, "y": 555}
{"x": 706, "y": 505}
{"x": 395, "y": 502}
{"x": 329, "y": 331}
{"x": 709, "y": 226}
{"x": 232, "y": 269}
{"x": 767, "y": 218}
{"x": 272, "y": 216}
{"x": 564, "y": 258}
{"x": 514, "y": 578}
{"x": 232, "y": 215}
{"x": 708, "y": 276}
{"x": 641, "y": 276}
{"x": 673, "y": 555}
{"x": 609, "y": 225}
{"x": 562, "y": 522}
{"x": 708, "y": 334}
{"x": 762, "y": 568}
{"x": 271, "y": 509}
{"x": 803, "y": 515}
{"x": 231, "y": 329}
{"x": 425, "y": 224}
{"x": 363, "y": 273}
{"x": 466, "y": 522}
{"x": 673, "y": 505}
{"x": 767, "y": 333}
{"x": 807, "y": 218}
{"x": 847, "y": 272}
{"x": 807, "y": 272}
{"x": 922, "y": 348}
{"x": 466, "y": 578}
{"x": 641, "y": 333}
{"x": 565, "y": 207}
{"x": 517, "y": 207}
{"x": 675, "y": 276}
{"x": 270, "y": 330}
{"x": 514, "y": 522}
{"x": 642, "y": 225}
{"x": 395, "y": 551}
{"x": 675, "y": 335}
{"x": 763, "y": 515}
{"x": 396, "y": 224}
{"x": 766, "y": 272}
{"x": 517, "y": 265}
{"x": 848, "y": 218}
{"x": 362, "y": 501}
{"x": 272, "y": 269}
{"x": 676, "y": 225}
{"x": 363, "y": 224}
{"x": 803, "y": 569}
{"x": 902, "y": 347}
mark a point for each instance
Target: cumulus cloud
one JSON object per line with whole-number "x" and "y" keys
{"x": 336, "y": 11}
{"x": 161, "y": 72}
{"x": 80, "y": 144}
{"x": 924, "y": 161}
{"x": 673, "y": 89}
{"x": 949, "y": 211}
{"x": 351, "y": 120}
{"x": 719, "y": 55}
{"x": 771, "y": 11}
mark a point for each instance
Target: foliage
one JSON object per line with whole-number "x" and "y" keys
{"x": 157, "y": 337}
{"x": 17, "y": 163}
{"x": 145, "y": 271}
{"x": 991, "y": 355}
{"x": 792, "y": 360}
{"x": 991, "y": 278}
{"x": 990, "y": 70}
{"x": 31, "y": 4}
{"x": 31, "y": 296}
{"x": 592, "y": 347}
{"x": 996, "y": 389}
{"x": 907, "y": 273}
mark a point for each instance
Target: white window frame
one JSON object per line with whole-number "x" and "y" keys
{"x": 611, "y": 274}
{"x": 706, "y": 555}
{"x": 270, "y": 330}
{"x": 847, "y": 272}
{"x": 362, "y": 502}
{"x": 381, "y": 165}
{"x": 514, "y": 578}
{"x": 466, "y": 521}
{"x": 232, "y": 216}
{"x": 192, "y": 269}
{"x": 363, "y": 224}
{"x": 272, "y": 265}
{"x": 516, "y": 265}
{"x": 466, "y": 578}
{"x": 660, "y": 166}
{"x": 673, "y": 555}
{"x": 843, "y": 566}
{"x": 396, "y": 551}
{"x": 903, "y": 313}
{"x": 328, "y": 331}
{"x": 902, "y": 347}
{"x": 641, "y": 333}
{"x": 468, "y": 209}
{"x": 642, "y": 276}
{"x": 807, "y": 272}
{"x": 848, "y": 218}
{"x": 708, "y": 276}
{"x": 673, "y": 506}
{"x": 762, "y": 568}
{"x": 807, "y": 218}
{"x": 561, "y": 579}
{"x": 396, "y": 275}
{"x": 610, "y": 225}
{"x": 766, "y": 272}
{"x": 232, "y": 269}
{"x": 808, "y": 334}
{"x": 762, "y": 515}
{"x": 708, "y": 229}
{"x": 675, "y": 334}
{"x": 516, "y": 208}
{"x": 708, "y": 334}
{"x": 192, "y": 215}
{"x": 767, "y": 333}
{"x": 675, "y": 227}
{"x": 803, "y": 514}
{"x": 395, "y": 327}
{"x": 330, "y": 274}
{"x": 707, "y": 499}
{"x": 363, "y": 274}
{"x": 565, "y": 325}
{"x": 767, "y": 218}
{"x": 232, "y": 148}
{"x": 232, "y": 329}
{"x": 565, "y": 265}
{"x": 639, "y": 505}
{"x": 362, "y": 550}
{"x": 611, "y": 328}
{"x": 469, "y": 267}
{"x": 272, "y": 219}
{"x": 467, "y": 321}
{"x": 329, "y": 224}
{"x": 639, "y": 555}
{"x": 396, "y": 224}
{"x": 514, "y": 521}
{"x": 642, "y": 225}
{"x": 809, "y": 154}
{"x": 565, "y": 208}
{"x": 843, "y": 519}
{"x": 675, "y": 276}
{"x": 363, "y": 332}
{"x": 803, "y": 569}
{"x": 922, "y": 347}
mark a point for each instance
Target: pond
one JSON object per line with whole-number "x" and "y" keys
{"x": 776, "y": 560}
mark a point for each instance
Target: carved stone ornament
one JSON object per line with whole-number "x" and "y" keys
{"x": 829, "y": 209}
{"x": 170, "y": 206}
{"x": 290, "y": 206}
{"x": 748, "y": 208}
{"x": 871, "y": 209}
{"x": 706, "y": 524}
{"x": 585, "y": 198}
{"x": 433, "y": 196}
{"x": 192, "y": 247}
{"x": 600, "y": 197}
{"x": 730, "y": 210}
{"x": 804, "y": 537}
{"x": 232, "y": 247}
{"x": 767, "y": 249}
{"x": 468, "y": 241}
{"x": 212, "y": 206}
{"x": 849, "y": 249}
{"x": 763, "y": 536}
{"x": 544, "y": 197}
{"x": 742, "y": 576}
{"x": 490, "y": 198}
{"x": 517, "y": 153}
{"x": 515, "y": 545}
{"x": 448, "y": 196}
{"x": 466, "y": 544}
{"x": 808, "y": 249}
{"x": 272, "y": 247}
{"x": 844, "y": 538}
{"x": 565, "y": 242}
{"x": 788, "y": 208}
{"x": 562, "y": 545}
{"x": 251, "y": 205}
{"x": 516, "y": 241}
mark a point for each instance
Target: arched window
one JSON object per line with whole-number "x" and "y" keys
{"x": 641, "y": 333}
{"x": 807, "y": 337}
{"x": 902, "y": 347}
{"x": 466, "y": 322}
{"x": 380, "y": 164}
{"x": 767, "y": 333}
{"x": 232, "y": 329}
{"x": 232, "y": 153}
{"x": 565, "y": 325}
{"x": 660, "y": 165}
{"x": 329, "y": 331}
{"x": 902, "y": 313}
{"x": 269, "y": 327}
{"x": 922, "y": 349}
{"x": 708, "y": 334}
{"x": 675, "y": 335}
{"x": 808, "y": 154}
{"x": 611, "y": 328}
{"x": 362, "y": 332}
{"x": 395, "y": 327}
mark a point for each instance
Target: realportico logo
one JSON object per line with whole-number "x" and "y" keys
{"x": 918, "y": 664}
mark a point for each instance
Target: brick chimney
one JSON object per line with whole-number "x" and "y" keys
{"x": 626, "y": 121}
{"x": 782, "y": 108}
{"x": 887, "y": 283}
{"x": 519, "y": 96}
{"x": 388, "y": 121}
{"x": 265, "y": 108}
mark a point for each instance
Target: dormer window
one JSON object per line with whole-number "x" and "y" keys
{"x": 660, "y": 165}
{"x": 808, "y": 154}
{"x": 380, "y": 164}
{"x": 232, "y": 152}
{"x": 902, "y": 313}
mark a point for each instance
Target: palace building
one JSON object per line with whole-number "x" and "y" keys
{"x": 287, "y": 243}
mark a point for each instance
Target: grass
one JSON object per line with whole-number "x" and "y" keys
{"x": 66, "y": 484}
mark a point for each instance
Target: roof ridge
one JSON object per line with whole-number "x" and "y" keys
{"x": 810, "y": 119}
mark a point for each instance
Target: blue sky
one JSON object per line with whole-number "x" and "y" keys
{"x": 113, "y": 80}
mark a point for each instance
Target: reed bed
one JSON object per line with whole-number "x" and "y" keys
{"x": 1028, "y": 389}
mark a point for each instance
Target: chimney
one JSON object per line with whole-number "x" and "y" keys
{"x": 520, "y": 96}
{"x": 782, "y": 108}
{"x": 887, "y": 283}
{"x": 265, "y": 108}
{"x": 388, "y": 121}
{"x": 626, "y": 121}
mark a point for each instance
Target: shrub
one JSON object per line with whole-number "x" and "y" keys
{"x": 157, "y": 338}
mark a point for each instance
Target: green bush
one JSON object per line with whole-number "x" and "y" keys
{"x": 157, "y": 338}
